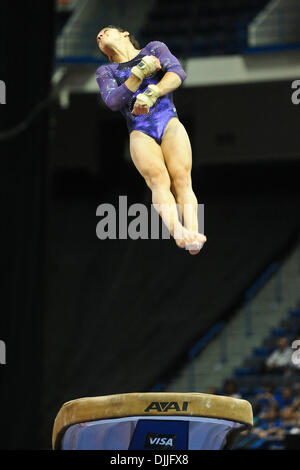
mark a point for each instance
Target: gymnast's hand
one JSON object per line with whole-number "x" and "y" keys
{"x": 145, "y": 100}
{"x": 156, "y": 62}
{"x": 140, "y": 109}
{"x": 148, "y": 65}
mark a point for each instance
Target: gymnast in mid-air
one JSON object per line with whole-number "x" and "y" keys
{"x": 139, "y": 83}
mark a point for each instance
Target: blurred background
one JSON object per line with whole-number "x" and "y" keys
{"x": 84, "y": 317}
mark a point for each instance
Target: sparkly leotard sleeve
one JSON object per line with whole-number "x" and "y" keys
{"x": 118, "y": 97}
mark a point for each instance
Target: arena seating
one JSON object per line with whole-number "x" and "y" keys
{"x": 208, "y": 28}
{"x": 251, "y": 381}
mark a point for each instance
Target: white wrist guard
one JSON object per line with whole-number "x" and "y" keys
{"x": 144, "y": 68}
{"x": 149, "y": 97}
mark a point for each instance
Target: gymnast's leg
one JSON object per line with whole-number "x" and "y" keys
{"x": 149, "y": 161}
{"x": 177, "y": 153}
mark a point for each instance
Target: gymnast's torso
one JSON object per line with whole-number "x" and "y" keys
{"x": 118, "y": 97}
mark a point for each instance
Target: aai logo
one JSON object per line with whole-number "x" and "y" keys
{"x": 165, "y": 406}
{"x": 2, "y": 92}
{"x": 160, "y": 441}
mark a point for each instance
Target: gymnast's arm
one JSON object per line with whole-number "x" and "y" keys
{"x": 174, "y": 73}
{"x": 168, "y": 83}
{"x": 174, "y": 76}
{"x": 114, "y": 96}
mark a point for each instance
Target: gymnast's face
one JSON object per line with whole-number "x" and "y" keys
{"x": 109, "y": 39}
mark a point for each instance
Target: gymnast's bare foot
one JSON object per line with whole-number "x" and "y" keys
{"x": 181, "y": 235}
{"x": 192, "y": 241}
{"x": 198, "y": 240}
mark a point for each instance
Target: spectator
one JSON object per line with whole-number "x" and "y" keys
{"x": 291, "y": 413}
{"x": 280, "y": 359}
{"x": 230, "y": 389}
{"x": 285, "y": 398}
{"x": 265, "y": 406}
{"x": 271, "y": 430}
{"x": 212, "y": 391}
{"x": 267, "y": 421}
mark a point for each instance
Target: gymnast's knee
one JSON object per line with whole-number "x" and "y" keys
{"x": 157, "y": 179}
{"x": 181, "y": 181}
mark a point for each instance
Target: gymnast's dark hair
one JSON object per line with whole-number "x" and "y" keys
{"x": 132, "y": 39}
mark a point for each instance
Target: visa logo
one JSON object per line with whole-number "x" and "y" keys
{"x": 161, "y": 441}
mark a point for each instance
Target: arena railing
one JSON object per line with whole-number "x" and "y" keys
{"x": 280, "y": 32}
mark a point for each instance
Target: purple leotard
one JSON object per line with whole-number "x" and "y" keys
{"x": 118, "y": 97}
